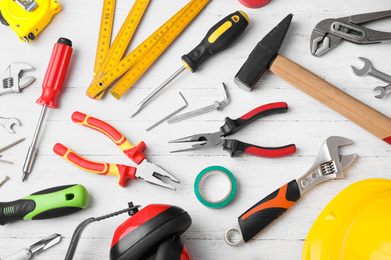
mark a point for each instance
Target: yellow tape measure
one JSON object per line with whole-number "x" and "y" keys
{"x": 157, "y": 49}
{"x": 105, "y": 31}
{"x": 147, "y": 52}
{"x": 121, "y": 41}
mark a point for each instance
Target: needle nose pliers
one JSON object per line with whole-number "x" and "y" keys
{"x": 234, "y": 147}
{"x": 147, "y": 171}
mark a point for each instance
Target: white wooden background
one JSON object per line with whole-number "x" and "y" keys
{"x": 307, "y": 124}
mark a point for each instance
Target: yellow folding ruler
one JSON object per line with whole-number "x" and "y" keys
{"x": 112, "y": 67}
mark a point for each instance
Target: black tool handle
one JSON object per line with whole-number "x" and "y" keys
{"x": 267, "y": 210}
{"x": 235, "y": 147}
{"x": 50, "y": 203}
{"x": 15, "y": 210}
{"x": 218, "y": 38}
{"x": 231, "y": 126}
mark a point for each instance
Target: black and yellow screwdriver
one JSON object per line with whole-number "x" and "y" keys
{"x": 218, "y": 38}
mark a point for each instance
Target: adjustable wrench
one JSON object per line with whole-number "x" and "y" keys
{"x": 369, "y": 69}
{"x": 13, "y": 81}
{"x": 7, "y": 123}
{"x": 328, "y": 165}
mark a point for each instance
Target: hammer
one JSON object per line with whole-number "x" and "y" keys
{"x": 265, "y": 56}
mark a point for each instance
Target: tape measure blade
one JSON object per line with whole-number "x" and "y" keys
{"x": 147, "y": 60}
{"x": 99, "y": 85}
{"x": 105, "y": 32}
{"x": 125, "y": 34}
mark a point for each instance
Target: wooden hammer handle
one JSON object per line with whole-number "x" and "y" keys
{"x": 361, "y": 114}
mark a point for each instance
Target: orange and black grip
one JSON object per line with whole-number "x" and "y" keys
{"x": 217, "y": 39}
{"x": 235, "y": 147}
{"x": 124, "y": 172}
{"x": 267, "y": 210}
{"x": 135, "y": 153}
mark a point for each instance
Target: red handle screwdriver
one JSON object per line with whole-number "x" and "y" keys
{"x": 51, "y": 87}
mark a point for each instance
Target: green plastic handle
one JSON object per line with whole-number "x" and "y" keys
{"x": 50, "y": 203}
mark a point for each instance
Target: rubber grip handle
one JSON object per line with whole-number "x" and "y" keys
{"x": 235, "y": 147}
{"x": 218, "y": 38}
{"x": 55, "y": 73}
{"x": 124, "y": 172}
{"x": 232, "y": 126}
{"x": 50, "y": 203}
{"x": 135, "y": 153}
{"x": 267, "y": 210}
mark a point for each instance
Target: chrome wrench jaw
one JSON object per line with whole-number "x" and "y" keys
{"x": 154, "y": 174}
{"x": 383, "y": 91}
{"x": 8, "y": 123}
{"x": 328, "y": 164}
{"x": 364, "y": 70}
{"x": 321, "y": 40}
{"x": 12, "y": 81}
{"x": 369, "y": 69}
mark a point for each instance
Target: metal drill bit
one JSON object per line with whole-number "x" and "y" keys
{"x": 45, "y": 243}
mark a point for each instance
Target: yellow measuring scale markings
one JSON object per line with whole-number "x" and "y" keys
{"x": 146, "y": 53}
{"x": 105, "y": 31}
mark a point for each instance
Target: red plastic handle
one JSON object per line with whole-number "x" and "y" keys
{"x": 231, "y": 126}
{"x": 135, "y": 153}
{"x": 235, "y": 147}
{"x": 123, "y": 171}
{"x": 55, "y": 73}
{"x": 271, "y": 152}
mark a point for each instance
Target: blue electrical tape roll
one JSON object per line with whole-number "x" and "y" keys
{"x": 213, "y": 170}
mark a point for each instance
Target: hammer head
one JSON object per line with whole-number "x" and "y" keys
{"x": 263, "y": 55}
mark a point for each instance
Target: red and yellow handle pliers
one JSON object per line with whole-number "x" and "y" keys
{"x": 147, "y": 171}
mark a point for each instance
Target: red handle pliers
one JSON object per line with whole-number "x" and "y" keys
{"x": 233, "y": 146}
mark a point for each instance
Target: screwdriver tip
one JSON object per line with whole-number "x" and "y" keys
{"x": 24, "y": 177}
{"x": 134, "y": 111}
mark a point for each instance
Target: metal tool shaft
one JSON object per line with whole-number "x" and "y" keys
{"x": 138, "y": 108}
{"x": 194, "y": 113}
{"x": 28, "y": 163}
{"x": 380, "y": 75}
{"x": 218, "y": 105}
{"x": 170, "y": 115}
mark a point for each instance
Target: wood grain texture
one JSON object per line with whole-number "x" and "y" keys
{"x": 307, "y": 124}
{"x": 356, "y": 111}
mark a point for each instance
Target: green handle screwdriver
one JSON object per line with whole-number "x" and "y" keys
{"x": 218, "y": 38}
{"x": 50, "y": 203}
